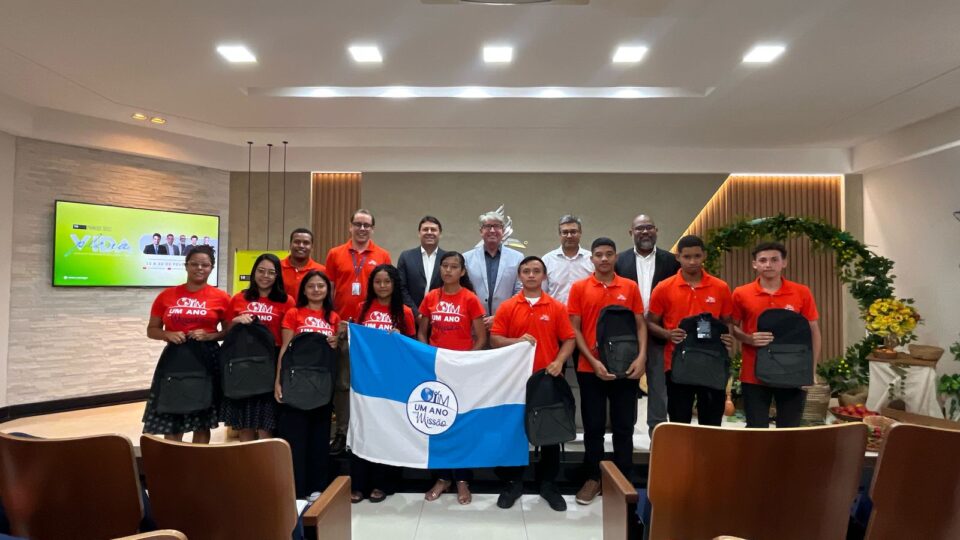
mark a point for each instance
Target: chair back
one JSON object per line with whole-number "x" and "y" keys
{"x": 84, "y": 487}
{"x": 221, "y": 491}
{"x": 754, "y": 483}
{"x": 916, "y": 485}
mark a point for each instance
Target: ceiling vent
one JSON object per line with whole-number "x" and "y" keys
{"x": 509, "y": 2}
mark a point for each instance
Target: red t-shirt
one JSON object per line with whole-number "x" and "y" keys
{"x": 292, "y": 276}
{"x": 345, "y": 266}
{"x": 304, "y": 319}
{"x": 378, "y": 316}
{"x": 451, "y": 318}
{"x": 674, "y": 300}
{"x": 547, "y": 320}
{"x": 750, "y": 300}
{"x": 183, "y": 311}
{"x": 589, "y": 296}
{"x": 269, "y": 312}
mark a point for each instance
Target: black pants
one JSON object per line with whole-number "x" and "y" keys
{"x": 308, "y": 434}
{"x": 594, "y": 395}
{"x": 680, "y": 398}
{"x": 546, "y": 469}
{"x": 365, "y": 476}
{"x": 756, "y": 405}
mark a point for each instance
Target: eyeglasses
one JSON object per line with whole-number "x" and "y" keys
{"x": 201, "y": 266}
{"x": 645, "y": 228}
{"x": 360, "y": 225}
{"x": 492, "y": 227}
{"x": 265, "y": 272}
{"x": 573, "y": 232}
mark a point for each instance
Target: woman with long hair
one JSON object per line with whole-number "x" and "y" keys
{"x": 264, "y": 302}
{"x": 452, "y": 318}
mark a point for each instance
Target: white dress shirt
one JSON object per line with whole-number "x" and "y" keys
{"x": 646, "y": 264}
{"x": 428, "y": 261}
{"x": 563, "y": 271}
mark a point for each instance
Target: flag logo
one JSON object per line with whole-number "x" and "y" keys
{"x": 432, "y": 408}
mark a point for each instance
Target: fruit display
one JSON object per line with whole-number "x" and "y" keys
{"x": 852, "y": 413}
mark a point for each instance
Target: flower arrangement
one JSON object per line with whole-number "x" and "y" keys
{"x": 891, "y": 319}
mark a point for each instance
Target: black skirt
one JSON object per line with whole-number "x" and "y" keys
{"x": 157, "y": 423}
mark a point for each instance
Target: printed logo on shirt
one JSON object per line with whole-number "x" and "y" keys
{"x": 264, "y": 312}
{"x": 790, "y": 307}
{"x": 379, "y": 320}
{"x": 545, "y": 317}
{"x": 711, "y": 300}
{"x": 432, "y": 408}
{"x": 621, "y": 298}
{"x": 316, "y": 324}
{"x": 188, "y": 306}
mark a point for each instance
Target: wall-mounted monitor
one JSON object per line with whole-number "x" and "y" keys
{"x": 112, "y": 246}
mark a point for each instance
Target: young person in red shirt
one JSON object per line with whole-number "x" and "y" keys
{"x": 536, "y": 318}
{"x": 450, "y": 318}
{"x": 597, "y": 386}
{"x": 298, "y": 263}
{"x": 770, "y": 291}
{"x": 383, "y": 309}
{"x": 265, "y": 301}
{"x": 308, "y": 432}
{"x": 349, "y": 266}
{"x": 197, "y": 311}
{"x": 691, "y": 291}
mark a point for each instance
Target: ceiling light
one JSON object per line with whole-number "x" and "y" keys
{"x": 158, "y": 120}
{"x": 628, "y": 93}
{"x": 552, "y": 93}
{"x": 629, "y": 54}
{"x": 236, "y": 54}
{"x": 473, "y": 93}
{"x": 366, "y": 54}
{"x": 762, "y": 54}
{"x": 138, "y": 116}
{"x": 398, "y": 92}
{"x": 498, "y": 54}
{"x": 322, "y": 92}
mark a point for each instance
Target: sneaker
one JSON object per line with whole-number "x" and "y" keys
{"x": 550, "y": 493}
{"x": 339, "y": 444}
{"x": 589, "y": 492}
{"x": 510, "y": 495}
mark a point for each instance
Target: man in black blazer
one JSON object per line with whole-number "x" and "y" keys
{"x": 416, "y": 264}
{"x": 648, "y": 265}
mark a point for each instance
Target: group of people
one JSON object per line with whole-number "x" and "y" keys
{"x": 486, "y": 297}
{"x": 172, "y": 247}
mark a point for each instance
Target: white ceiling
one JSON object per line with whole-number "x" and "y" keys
{"x": 853, "y": 70}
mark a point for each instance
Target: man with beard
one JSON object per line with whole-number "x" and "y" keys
{"x": 648, "y": 265}
{"x": 419, "y": 271}
{"x": 298, "y": 263}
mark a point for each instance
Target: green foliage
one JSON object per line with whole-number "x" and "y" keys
{"x": 949, "y": 385}
{"x": 735, "y": 363}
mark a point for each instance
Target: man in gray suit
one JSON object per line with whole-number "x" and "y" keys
{"x": 172, "y": 248}
{"x": 492, "y": 268}
{"x": 418, "y": 268}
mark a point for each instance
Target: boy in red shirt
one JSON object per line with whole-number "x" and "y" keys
{"x": 597, "y": 386}
{"x": 533, "y": 316}
{"x": 690, "y": 292}
{"x": 770, "y": 291}
{"x": 298, "y": 263}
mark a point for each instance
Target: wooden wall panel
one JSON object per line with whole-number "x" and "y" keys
{"x": 336, "y": 196}
{"x": 803, "y": 196}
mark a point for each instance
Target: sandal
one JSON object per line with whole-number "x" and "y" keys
{"x": 355, "y": 497}
{"x": 463, "y": 492}
{"x": 437, "y": 490}
{"x": 377, "y": 495}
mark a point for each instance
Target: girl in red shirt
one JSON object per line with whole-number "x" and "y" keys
{"x": 451, "y": 316}
{"x": 267, "y": 302}
{"x": 193, "y": 311}
{"x": 308, "y": 432}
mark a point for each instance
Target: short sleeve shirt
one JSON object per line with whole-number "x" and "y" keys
{"x": 182, "y": 310}
{"x": 589, "y": 296}
{"x": 546, "y": 320}
{"x": 451, "y": 318}
{"x": 378, "y": 316}
{"x": 346, "y": 266}
{"x": 750, "y": 300}
{"x": 269, "y": 313}
{"x": 304, "y": 319}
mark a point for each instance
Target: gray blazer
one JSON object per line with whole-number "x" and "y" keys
{"x": 507, "y": 283}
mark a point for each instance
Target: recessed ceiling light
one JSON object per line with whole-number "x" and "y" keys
{"x": 629, "y": 54}
{"x": 398, "y": 92}
{"x": 552, "y": 93}
{"x": 138, "y": 116}
{"x": 762, "y": 54}
{"x": 473, "y": 93}
{"x": 366, "y": 54}
{"x": 628, "y": 93}
{"x": 236, "y": 54}
{"x": 158, "y": 120}
{"x": 323, "y": 92}
{"x": 497, "y": 54}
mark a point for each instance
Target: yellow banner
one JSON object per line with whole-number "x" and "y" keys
{"x": 242, "y": 264}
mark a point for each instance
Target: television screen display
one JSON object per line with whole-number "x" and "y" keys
{"x": 112, "y": 246}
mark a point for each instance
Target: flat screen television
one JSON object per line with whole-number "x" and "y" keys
{"x": 98, "y": 245}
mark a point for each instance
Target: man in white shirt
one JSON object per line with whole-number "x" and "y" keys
{"x": 419, "y": 271}
{"x": 569, "y": 262}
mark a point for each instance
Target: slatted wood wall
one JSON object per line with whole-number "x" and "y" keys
{"x": 802, "y": 196}
{"x": 336, "y": 196}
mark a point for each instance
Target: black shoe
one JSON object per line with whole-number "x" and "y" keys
{"x": 510, "y": 495}
{"x": 550, "y": 493}
{"x": 339, "y": 444}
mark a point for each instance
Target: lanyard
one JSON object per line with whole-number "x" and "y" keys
{"x": 358, "y": 268}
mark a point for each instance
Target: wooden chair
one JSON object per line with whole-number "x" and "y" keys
{"x": 619, "y": 504}
{"x": 915, "y": 485}
{"x": 85, "y": 487}
{"x": 330, "y": 514}
{"x": 166, "y": 534}
{"x": 754, "y": 483}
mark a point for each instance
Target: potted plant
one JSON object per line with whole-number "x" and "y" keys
{"x": 949, "y": 388}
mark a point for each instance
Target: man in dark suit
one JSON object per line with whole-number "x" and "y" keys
{"x": 418, "y": 263}
{"x": 648, "y": 265}
{"x": 155, "y": 248}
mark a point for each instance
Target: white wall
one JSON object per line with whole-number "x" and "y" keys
{"x": 7, "y": 172}
{"x": 908, "y": 217}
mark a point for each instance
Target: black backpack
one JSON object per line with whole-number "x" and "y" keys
{"x": 551, "y": 410}
{"x": 787, "y": 362}
{"x": 617, "y": 339}
{"x": 701, "y": 360}
{"x": 248, "y": 365}
{"x": 185, "y": 384}
{"x": 308, "y": 371}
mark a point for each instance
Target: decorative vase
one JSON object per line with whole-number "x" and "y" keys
{"x": 889, "y": 349}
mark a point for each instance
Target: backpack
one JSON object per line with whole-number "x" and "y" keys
{"x": 185, "y": 384}
{"x": 617, "y": 339}
{"x": 248, "y": 365}
{"x": 787, "y": 362}
{"x": 551, "y": 410}
{"x": 307, "y": 372}
{"x": 701, "y": 361}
